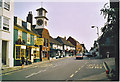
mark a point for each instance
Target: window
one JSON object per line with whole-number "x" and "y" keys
{"x": 28, "y": 38}
{"x": 19, "y": 21}
{"x": 19, "y": 51}
{"x": 28, "y": 26}
{"x": 47, "y": 42}
{"x": 7, "y": 5}
{"x": 0, "y": 21}
{"x": 44, "y": 41}
{"x": 45, "y": 23}
{"x": 0, "y": 3}
{"x": 19, "y": 34}
{"x": 6, "y": 23}
{"x": 35, "y": 39}
{"x": 36, "y": 52}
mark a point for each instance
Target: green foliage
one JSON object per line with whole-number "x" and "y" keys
{"x": 110, "y": 13}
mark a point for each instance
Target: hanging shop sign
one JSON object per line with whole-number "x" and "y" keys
{"x": 40, "y": 41}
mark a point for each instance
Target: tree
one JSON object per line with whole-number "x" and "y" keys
{"x": 111, "y": 13}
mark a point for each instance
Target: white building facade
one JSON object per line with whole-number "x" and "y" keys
{"x": 6, "y": 33}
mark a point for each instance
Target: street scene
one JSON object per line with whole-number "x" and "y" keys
{"x": 59, "y": 41}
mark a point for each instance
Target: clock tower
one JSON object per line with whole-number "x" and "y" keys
{"x": 41, "y": 19}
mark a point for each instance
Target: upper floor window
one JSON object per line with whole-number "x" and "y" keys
{"x": 35, "y": 39}
{"x": 0, "y": 21}
{"x": 28, "y": 38}
{"x": 47, "y": 42}
{"x": 19, "y": 34}
{"x": 28, "y": 25}
{"x": 7, "y": 5}
{"x": 6, "y": 23}
{"x": 44, "y": 41}
{"x": 0, "y": 3}
{"x": 19, "y": 21}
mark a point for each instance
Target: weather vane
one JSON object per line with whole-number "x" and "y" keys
{"x": 41, "y": 3}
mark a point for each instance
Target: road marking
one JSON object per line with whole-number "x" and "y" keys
{"x": 72, "y": 75}
{"x": 35, "y": 66}
{"x": 35, "y": 73}
{"x": 76, "y": 71}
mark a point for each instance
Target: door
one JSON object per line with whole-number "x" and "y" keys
{"x": 4, "y": 52}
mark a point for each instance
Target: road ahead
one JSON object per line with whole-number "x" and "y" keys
{"x": 61, "y": 69}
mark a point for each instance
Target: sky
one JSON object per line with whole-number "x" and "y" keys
{"x": 67, "y": 18}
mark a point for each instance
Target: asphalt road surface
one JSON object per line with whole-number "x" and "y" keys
{"x": 64, "y": 69}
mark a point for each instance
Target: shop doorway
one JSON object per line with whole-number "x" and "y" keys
{"x": 4, "y": 52}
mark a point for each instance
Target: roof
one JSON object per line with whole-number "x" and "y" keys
{"x": 41, "y": 9}
{"x": 52, "y": 40}
{"x": 64, "y": 41}
{"x": 42, "y": 17}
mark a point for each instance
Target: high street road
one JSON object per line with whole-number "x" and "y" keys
{"x": 64, "y": 69}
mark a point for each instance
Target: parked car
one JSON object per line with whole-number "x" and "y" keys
{"x": 88, "y": 54}
{"x": 79, "y": 56}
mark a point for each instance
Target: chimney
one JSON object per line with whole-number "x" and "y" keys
{"x": 65, "y": 37}
{"x": 30, "y": 18}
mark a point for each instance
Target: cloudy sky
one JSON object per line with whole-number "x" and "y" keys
{"x": 67, "y": 18}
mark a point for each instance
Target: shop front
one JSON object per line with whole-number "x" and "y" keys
{"x": 33, "y": 54}
{"x": 20, "y": 50}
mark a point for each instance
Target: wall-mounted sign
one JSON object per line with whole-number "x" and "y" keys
{"x": 23, "y": 47}
{"x": 39, "y": 41}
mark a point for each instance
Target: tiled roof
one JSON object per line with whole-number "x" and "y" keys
{"x": 52, "y": 40}
{"x": 64, "y": 41}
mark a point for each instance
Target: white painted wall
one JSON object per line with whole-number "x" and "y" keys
{"x": 7, "y": 35}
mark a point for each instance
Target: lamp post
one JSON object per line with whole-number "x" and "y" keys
{"x": 98, "y": 38}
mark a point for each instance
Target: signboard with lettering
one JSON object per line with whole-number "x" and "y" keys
{"x": 39, "y": 41}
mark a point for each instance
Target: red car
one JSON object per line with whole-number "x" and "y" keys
{"x": 79, "y": 56}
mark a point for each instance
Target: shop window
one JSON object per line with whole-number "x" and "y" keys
{"x": 36, "y": 53}
{"x": 19, "y": 51}
{"x": 7, "y": 5}
{"x": 19, "y": 34}
{"x": 28, "y": 38}
{"x": 6, "y": 23}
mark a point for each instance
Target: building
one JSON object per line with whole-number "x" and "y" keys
{"x": 6, "y": 33}
{"x": 56, "y": 48}
{"x": 78, "y": 46}
{"x": 67, "y": 46}
{"x": 25, "y": 42}
{"x": 41, "y": 28}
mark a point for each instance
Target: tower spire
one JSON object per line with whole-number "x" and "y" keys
{"x": 41, "y": 3}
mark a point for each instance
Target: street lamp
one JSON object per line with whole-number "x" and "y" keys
{"x": 98, "y": 38}
{"x": 97, "y": 30}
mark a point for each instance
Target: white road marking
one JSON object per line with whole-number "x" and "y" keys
{"x": 76, "y": 71}
{"x": 35, "y": 73}
{"x": 35, "y": 66}
{"x": 72, "y": 75}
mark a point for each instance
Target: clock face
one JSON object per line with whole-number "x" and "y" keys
{"x": 40, "y": 22}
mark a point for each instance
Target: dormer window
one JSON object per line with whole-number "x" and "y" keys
{"x": 19, "y": 21}
{"x": 28, "y": 26}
